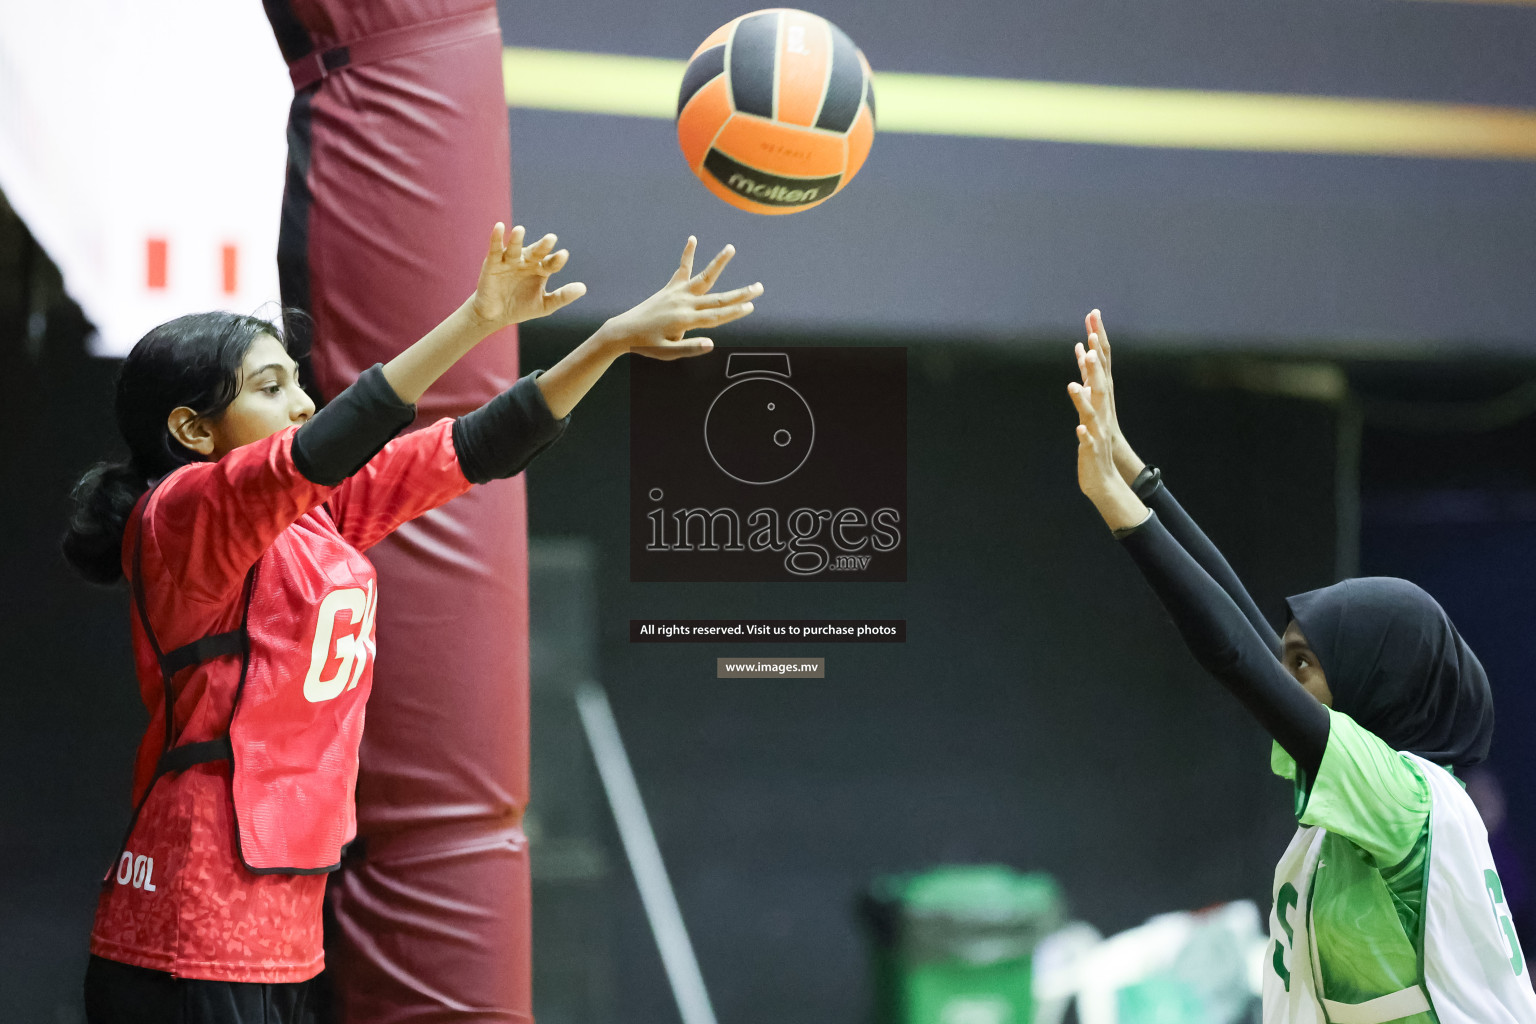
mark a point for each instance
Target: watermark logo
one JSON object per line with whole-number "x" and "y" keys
{"x": 759, "y": 429}
{"x": 757, "y": 465}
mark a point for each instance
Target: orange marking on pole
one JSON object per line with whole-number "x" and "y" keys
{"x": 231, "y": 256}
{"x": 155, "y": 260}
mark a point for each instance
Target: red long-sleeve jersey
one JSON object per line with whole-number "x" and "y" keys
{"x": 181, "y": 898}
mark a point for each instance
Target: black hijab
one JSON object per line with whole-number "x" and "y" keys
{"x": 1398, "y": 667}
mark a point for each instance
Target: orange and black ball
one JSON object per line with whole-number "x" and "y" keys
{"x": 776, "y": 112}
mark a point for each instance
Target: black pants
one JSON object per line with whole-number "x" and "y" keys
{"x": 120, "y": 994}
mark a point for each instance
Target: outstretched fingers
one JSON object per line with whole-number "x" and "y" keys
{"x": 552, "y": 263}
{"x": 1082, "y": 400}
{"x": 1093, "y": 365}
{"x": 537, "y": 252}
{"x": 722, "y": 315}
{"x": 505, "y": 245}
{"x": 685, "y": 266}
{"x": 730, "y": 298}
{"x": 1091, "y": 369}
{"x": 688, "y": 347}
{"x": 564, "y": 296}
{"x": 706, "y": 278}
{"x": 681, "y": 349}
{"x": 1098, "y": 338}
{"x": 1096, "y": 375}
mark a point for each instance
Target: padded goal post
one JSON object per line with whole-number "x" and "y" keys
{"x": 398, "y": 165}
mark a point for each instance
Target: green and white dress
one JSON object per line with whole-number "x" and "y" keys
{"x": 1387, "y": 905}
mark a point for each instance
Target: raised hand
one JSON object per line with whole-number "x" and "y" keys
{"x": 655, "y": 327}
{"x": 1096, "y": 471}
{"x": 1093, "y": 363}
{"x": 513, "y": 276}
{"x": 1097, "y": 475}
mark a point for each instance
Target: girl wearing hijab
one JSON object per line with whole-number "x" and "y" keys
{"x": 1387, "y": 906}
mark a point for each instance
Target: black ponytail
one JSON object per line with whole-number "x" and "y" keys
{"x": 101, "y": 502}
{"x": 192, "y": 361}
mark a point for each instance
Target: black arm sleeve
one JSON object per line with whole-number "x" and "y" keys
{"x": 339, "y": 440}
{"x": 501, "y": 437}
{"x": 1193, "y": 539}
{"x": 1227, "y": 646}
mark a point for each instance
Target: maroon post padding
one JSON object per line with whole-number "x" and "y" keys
{"x": 399, "y": 163}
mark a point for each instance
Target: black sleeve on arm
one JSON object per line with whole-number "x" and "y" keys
{"x": 1155, "y": 494}
{"x": 1227, "y": 646}
{"x": 339, "y": 440}
{"x": 501, "y": 437}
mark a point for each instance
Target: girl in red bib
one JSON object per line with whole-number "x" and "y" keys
{"x": 240, "y": 521}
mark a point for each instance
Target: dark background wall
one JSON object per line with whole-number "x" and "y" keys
{"x": 1449, "y": 485}
{"x": 1041, "y": 714}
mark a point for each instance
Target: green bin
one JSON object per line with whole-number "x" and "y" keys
{"x": 953, "y": 945}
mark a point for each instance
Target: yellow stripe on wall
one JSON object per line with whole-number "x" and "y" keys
{"x": 591, "y": 83}
{"x": 1004, "y": 108}
{"x": 1502, "y": 3}
{"x": 1187, "y": 119}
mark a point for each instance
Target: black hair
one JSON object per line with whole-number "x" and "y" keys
{"x": 192, "y": 361}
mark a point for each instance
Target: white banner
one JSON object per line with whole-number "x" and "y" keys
{"x": 143, "y": 145}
